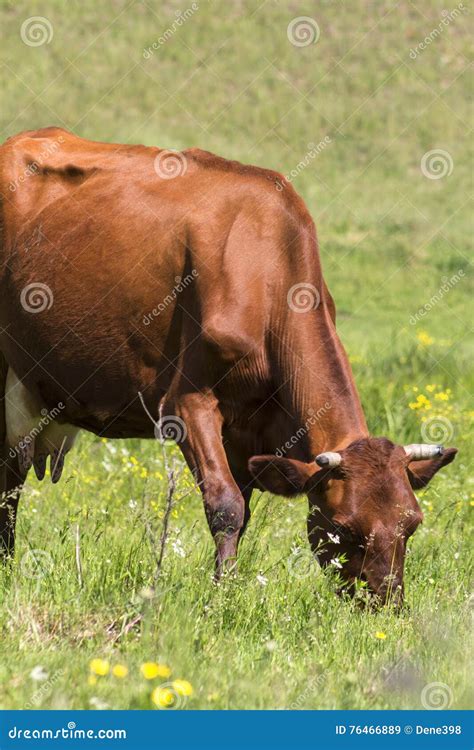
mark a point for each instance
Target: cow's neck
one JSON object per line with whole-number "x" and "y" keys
{"x": 319, "y": 384}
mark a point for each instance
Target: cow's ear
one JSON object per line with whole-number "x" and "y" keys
{"x": 281, "y": 476}
{"x": 421, "y": 472}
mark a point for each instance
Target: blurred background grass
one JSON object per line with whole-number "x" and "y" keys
{"x": 228, "y": 80}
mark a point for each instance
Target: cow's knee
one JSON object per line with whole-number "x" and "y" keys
{"x": 225, "y": 511}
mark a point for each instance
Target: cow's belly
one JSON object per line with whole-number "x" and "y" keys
{"x": 33, "y": 432}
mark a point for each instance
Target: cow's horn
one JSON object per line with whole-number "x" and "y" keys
{"x": 328, "y": 460}
{"x": 420, "y": 451}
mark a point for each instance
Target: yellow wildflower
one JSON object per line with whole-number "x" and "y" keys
{"x": 380, "y": 635}
{"x": 424, "y": 338}
{"x": 183, "y": 687}
{"x": 430, "y": 388}
{"x": 442, "y": 396}
{"x": 151, "y": 669}
{"x": 421, "y": 402}
{"x": 92, "y": 680}
{"x": 99, "y": 667}
{"x": 120, "y": 671}
{"x": 163, "y": 697}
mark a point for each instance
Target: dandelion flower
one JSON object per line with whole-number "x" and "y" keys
{"x": 163, "y": 697}
{"x": 183, "y": 687}
{"x": 151, "y": 669}
{"x": 424, "y": 338}
{"x": 120, "y": 671}
{"x": 380, "y": 635}
{"x": 99, "y": 667}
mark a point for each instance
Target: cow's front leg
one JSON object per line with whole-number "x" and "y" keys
{"x": 204, "y": 452}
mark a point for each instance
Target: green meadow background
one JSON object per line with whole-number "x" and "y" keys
{"x": 113, "y": 633}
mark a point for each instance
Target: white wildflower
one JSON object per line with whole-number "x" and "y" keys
{"x": 38, "y": 674}
{"x": 177, "y": 547}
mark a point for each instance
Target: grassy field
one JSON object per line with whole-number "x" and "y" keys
{"x": 392, "y": 231}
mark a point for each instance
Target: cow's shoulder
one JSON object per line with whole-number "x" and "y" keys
{"x": 275, "y": 191}
{"x": 213, "y": 162}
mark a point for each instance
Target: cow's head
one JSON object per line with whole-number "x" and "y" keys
{"x": 362, "y": 505}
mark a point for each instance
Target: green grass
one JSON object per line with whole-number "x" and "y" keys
{"x": 229, "y": 81}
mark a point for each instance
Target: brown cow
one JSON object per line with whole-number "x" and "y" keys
{"x": 138, "y": 282}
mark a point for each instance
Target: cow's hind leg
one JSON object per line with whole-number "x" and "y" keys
{"x": 11, "y": 478}
{"x": 202, "y": 447}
